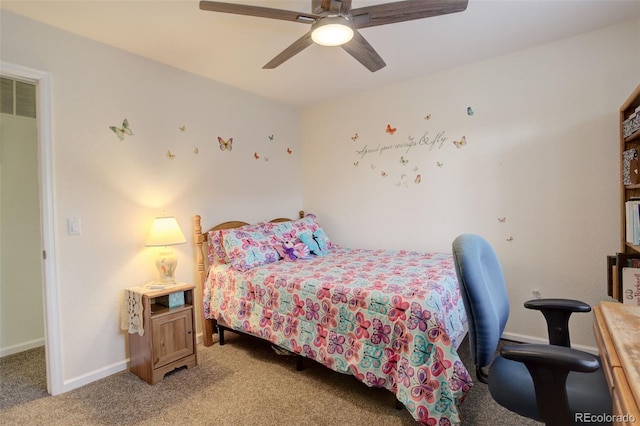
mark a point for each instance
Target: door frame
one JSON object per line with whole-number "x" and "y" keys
{"x": 53, "y": 352}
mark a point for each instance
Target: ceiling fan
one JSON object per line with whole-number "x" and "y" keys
{"x": 335, "y": 23}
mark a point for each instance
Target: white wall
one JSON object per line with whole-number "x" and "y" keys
{"x": 542, "y": 154}
{"x": 117, "y": 187}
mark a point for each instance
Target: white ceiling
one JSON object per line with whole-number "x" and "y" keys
{"x": 232, "y": 49}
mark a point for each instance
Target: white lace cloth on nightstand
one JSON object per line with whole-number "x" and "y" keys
{"x": 131, "y": 310}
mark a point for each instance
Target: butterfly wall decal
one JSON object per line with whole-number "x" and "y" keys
{"x": 403, "y": 160}
{"x": 391, "y": 130}
{"x": 289, "y": 151}
{"x": 427, "y": 117}
{"x": 256, "y": 156}
{"x": 502, "y": 219}
{"x": 225, "y": 145}
{"x": 469, "y": 111}
{"x": 170, "y": 155}
{"x": 418, "y": 179}
{"x": 356, "y": 164}
{"x": 122, "y": 131}
{"x": 439, "y": 164}
{"x": 182, "y": 128}
{"x": 270, "y": 137}
{"x": 196, "y": 150}
{"x": 462, "y": 142}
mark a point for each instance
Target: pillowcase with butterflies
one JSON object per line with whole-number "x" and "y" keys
{"x": 316, "y": 241}
{"x": 248, "y": 248}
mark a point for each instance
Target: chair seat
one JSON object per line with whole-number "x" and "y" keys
{"x": 511, "y": 386}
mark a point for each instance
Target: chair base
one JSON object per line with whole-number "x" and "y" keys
{"x": 511, "y": 386}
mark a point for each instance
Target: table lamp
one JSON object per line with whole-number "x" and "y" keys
{"x": 166, "y": 232}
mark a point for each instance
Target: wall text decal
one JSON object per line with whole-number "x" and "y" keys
{"x": 426, "y": 140}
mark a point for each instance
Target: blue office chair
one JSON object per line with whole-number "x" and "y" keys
{"x": 548, "y": 383}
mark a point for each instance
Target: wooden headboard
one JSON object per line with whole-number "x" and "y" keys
{"x": 202, "y": 260}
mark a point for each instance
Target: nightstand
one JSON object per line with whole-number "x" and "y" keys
{"x": 169, "y": 339}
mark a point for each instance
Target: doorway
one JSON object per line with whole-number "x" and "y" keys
{"x": 21, "y": 301}
{"x": 47, "y": 260}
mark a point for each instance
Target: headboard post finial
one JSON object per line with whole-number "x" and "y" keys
{"x": 199, "y": 239}
{"x": 197, "y": 225}
{"x": 301, "y": 214}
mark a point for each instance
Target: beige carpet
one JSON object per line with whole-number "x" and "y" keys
{"x": 241, "y": 383}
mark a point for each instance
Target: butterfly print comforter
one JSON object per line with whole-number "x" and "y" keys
{"x": 391, "y": 318}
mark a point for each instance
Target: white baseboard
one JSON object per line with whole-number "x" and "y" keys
{"x": 101, "y": 373}
{"x": 530, "y": 339}
{"x": 94, "y": 375}
{"x": 21, "y": 347}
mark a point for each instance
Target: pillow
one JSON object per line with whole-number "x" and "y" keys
{"x": 216, "y": 251}
{"x": 249, "y": 247}
{"x": 309, "y": 225}
{"x": 316, "y": 242}
{"x": 279, "y": 231}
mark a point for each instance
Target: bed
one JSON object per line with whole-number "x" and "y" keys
{"x": 390, "y": 318}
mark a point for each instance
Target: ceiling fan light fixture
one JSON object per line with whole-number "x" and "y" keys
{"x": 332, "y": 31}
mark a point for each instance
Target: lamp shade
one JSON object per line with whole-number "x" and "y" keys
{"x": 165, "y": 231}
{"x": 332, "y": 31}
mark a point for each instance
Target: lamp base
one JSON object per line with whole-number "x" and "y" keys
{"x": 166, "y": 264}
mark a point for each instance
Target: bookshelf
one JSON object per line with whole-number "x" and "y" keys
{"x": 628, "y": 191}
{"x": 629, "y": 255}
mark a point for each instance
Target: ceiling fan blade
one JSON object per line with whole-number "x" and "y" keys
{"x": 408, "y": 10}
{"x": 261, "y": 12}
{"x": 364, "y": 53}
{"x": 297, "y": 47}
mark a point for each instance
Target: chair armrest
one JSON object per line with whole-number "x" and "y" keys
{"x": 557, "y": 313}
{"x": 553, "y": 357}
{"x": 558, "y": 304}
{"x": 549, "y": 367}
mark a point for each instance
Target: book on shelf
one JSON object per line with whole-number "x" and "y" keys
{"x": 631, "y": 286}
{"x": 623, "y": 277}
{"x": 632, "y": 221}
{"x": 612, "y": 277}
{"x": 629, "y": 173}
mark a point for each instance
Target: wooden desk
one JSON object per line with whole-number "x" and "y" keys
{"x": 617, "y": 331}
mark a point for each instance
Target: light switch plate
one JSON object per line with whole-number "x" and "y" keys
{"x": 73, "y": 226}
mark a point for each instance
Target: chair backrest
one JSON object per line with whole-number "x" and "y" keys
{"x": 484, "y": 295}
